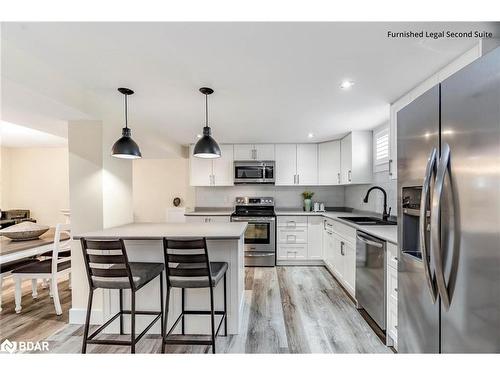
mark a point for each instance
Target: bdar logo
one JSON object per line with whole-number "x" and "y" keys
{"x": 8, "y": 346}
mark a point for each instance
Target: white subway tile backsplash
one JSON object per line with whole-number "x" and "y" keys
{"x": 354, "y": 194}
{"x": 284, "y": 196}
{"x": 290, "y": 196}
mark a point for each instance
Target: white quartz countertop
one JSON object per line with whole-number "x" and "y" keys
{"x": 210, "y": 212}
{"x": 156, "y": 231}
{"x": 384, "y": 232}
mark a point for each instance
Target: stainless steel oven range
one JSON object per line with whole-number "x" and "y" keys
{"x": 260, "y": 236}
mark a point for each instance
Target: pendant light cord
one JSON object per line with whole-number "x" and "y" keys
{"x": 206, "y": 110}
{"x": 126, "y": 118}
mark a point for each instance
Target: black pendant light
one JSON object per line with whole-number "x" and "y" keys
{"x": 206, "y": 147}
{"x": 125, "y": 147}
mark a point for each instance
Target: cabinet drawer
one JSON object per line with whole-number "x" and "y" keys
{"x": 292, "y": 236}
{"x": 292, "y": 252}
{"x": 345, "y": 231}
{"x": 208, "y": 219}
{"x": 292, "y": 221}
{"x": 392, "y": 255}
{"x": 328, "y": 224}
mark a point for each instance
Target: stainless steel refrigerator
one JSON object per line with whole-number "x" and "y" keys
{"x": 449, "y": 214}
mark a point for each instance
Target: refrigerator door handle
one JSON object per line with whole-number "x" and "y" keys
{"x": 442, "y": 169}
{"x": 429, "y": 171}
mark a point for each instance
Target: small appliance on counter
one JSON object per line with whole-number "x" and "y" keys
{"x": 318, "y": 207}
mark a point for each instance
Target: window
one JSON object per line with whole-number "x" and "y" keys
{"x": 381, "y": 149}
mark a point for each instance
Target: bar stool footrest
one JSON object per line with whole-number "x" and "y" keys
{"x": 90, "y": 338}
{"x": 177, "y": 339}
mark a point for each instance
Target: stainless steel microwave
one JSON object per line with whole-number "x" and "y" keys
{"x": 254, "y": 172}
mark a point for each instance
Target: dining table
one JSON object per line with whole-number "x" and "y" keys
{"x": 15, "y": 250}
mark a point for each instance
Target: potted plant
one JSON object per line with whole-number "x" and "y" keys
{"x": 307, "y": 195}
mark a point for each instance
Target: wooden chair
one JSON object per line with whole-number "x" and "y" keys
{"x": 6, "y": 271}
{"x": 187, "y": 266}
{"x": 49, "y": 269}
{"x": 108, "y": 267}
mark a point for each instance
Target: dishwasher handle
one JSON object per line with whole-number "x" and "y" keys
{"x": 369, "y": 242}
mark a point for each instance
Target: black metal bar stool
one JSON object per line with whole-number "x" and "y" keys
{"x": 187, "y": 266}
{"x": 113, "y": 271}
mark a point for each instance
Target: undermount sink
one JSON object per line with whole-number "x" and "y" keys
{"x": 366, "y": 220}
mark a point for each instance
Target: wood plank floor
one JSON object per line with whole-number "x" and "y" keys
{"x": 286, "y": 310}
{"x": 38, "y": 318}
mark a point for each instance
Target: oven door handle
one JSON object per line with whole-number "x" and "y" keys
{"x": 254, "y": 219}
{"x": 259, "y": 254}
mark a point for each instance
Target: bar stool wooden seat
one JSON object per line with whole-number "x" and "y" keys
{"x": 108, "y": 267}
{"x": 187, "y": 266}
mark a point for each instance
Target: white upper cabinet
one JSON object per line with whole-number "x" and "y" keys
{"x": 243, "y": 152}
{"x": 212, "y": 172}
{"x": 346, "y": 159}
{"x": 223, "y": 170}
{"x": 200, "y": 170}
{"x": 286, "y": 164}
{"x": 264, "y": 151}
{"x": 329, "y": 163}
{"x": 356, "y": 166}
{"x": 296, "y": 164}
{"x": 307, "y": 164}
{"x": 254, "y": 151}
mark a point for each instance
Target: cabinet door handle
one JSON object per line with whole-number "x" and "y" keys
{"x": 298, "y": 179}
{"x": 342, "y": 252}
{"x": 349, "y": 175}
{"x": 338, "y": 178}
{"x": 390, "y": 167}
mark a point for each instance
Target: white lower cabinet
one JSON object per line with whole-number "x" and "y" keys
{"x": 340, "y": 253}
{"x": 299, "y": 240}
{"x": 315, "y": 237}
{"x": 292, "y": 252}
{"x": 208, "y": 219}
{"x": 392, "y": 295}
{"x": 349, "y": 255}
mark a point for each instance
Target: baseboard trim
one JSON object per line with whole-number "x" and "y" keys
{"x": 77, "y": 316}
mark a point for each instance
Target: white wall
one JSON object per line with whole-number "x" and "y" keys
{"x": 86, "y": 203}
{"x": 156, "y": 182}
{"x": 100, "y": 197}
{"x": 36, "y": 179}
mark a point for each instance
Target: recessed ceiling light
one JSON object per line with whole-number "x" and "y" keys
{"x": 198, "y": 135}
{"x": 346, "y": 84}
{"x": 310, "y": 135}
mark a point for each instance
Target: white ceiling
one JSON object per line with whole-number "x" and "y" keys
{"x": 274, "y": 82}
{"x": 13, "y": 135}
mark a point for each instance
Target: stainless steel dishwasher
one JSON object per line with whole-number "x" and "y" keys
{"x": 370, "y": 277}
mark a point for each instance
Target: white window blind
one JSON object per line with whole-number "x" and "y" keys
{"x": 381, "y": 146}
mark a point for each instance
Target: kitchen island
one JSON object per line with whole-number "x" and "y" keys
{"x": 143, "y": 243}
